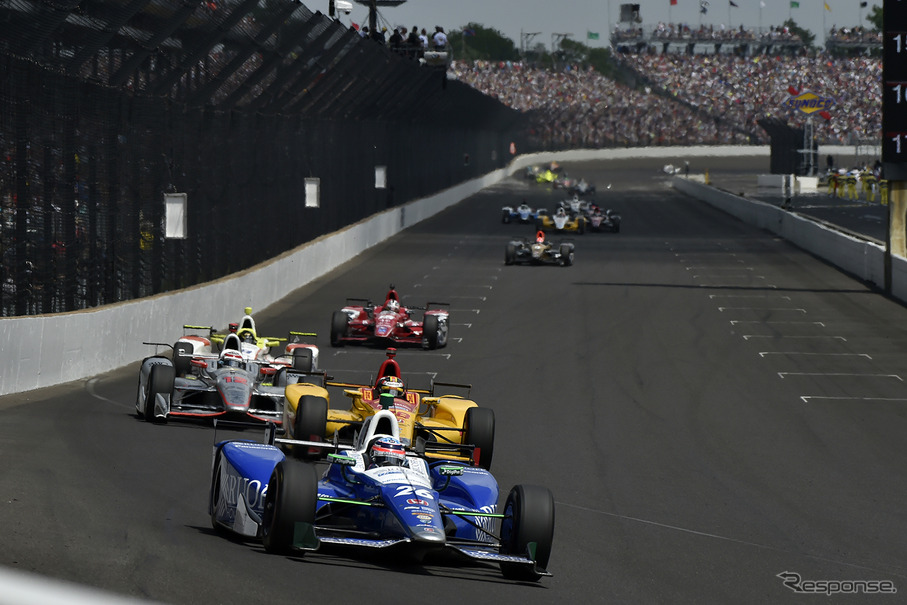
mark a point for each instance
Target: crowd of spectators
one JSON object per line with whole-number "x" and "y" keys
{"x": 685, "y": 99}
{"x": 410, "y": 42}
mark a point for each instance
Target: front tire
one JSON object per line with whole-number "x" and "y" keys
{"x": 310, "y": 425}
{"x": 292, "y": 498}
{"x": 528, "y": 519}
{"x": 510, "y": 254}
{"x": 339, "y": 328}
{"x": 160, "y": 380}
{"x": 478, "y": 430}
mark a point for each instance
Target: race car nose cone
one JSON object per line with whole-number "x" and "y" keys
{"x": 430, "y": 535}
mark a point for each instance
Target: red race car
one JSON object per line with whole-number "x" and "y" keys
{"x": 360, "y": 321}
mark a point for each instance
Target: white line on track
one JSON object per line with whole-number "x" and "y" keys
{"x": 461, "y": 324}
{"x": 764, "y": 353}
{"x": 482, "y": 298}
{"x": 90, "y": 388}
{"x": 761, "y": 287}
{"x": 704, "y": 534}
{"x": 713, "y": 268}
{"x": 476, "y": 311}
{"x": 798, "y": 310}
{"x": 808, "y": 398}
{"x": 712, "y": 276}
{"x": 786, "y": 374}
{"x": 734, "y": 322}
{"x": 748, "y": 336}
{"x": 760, "y": 296}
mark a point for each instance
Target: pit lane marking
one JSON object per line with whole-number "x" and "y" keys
{"x": 712, "y": 276}
{"x": 734, "y": 322}
{"x": 798, "y": 310}
{"x": 781, "y": 296}
{"x": 786, "y": 374}
{"x": 764, "y": 353}
{"x": 773, "y": 286}
{"x": 808, "y": 398}
{"x": 748, "y": 336}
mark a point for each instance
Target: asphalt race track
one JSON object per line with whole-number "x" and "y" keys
{"x": 710, "y": 406}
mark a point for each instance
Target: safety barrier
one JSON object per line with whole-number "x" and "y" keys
{"x": 45, "y": 350}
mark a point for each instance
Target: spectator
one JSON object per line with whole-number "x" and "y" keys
{"x": 396, "y": 40}
{"x": 413, "y": 44}
{"x": 423, "y": 40}
{"x": 439, "y": 39}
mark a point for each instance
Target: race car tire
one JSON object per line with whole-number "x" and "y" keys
{"x": 505, "y": 217}
{"x": 310, "y": 425}
{"x": 160, "y": 380}
{"x": 182, "y": 358}
{"x": 339, "y": 327}
{"x": 566, "y": 255}
{"x": 430, "y": 329}
{"x": 510, "y": 254}
{"x": 303, "y": 359}
{"x": 581, "y": 225}
{"x": 214, "y": 496}
{"x": 616, "y": 228}
{"x": 528, "y": 519}
{"x": 478, "y": 430}
{"x": 292, "y": 498}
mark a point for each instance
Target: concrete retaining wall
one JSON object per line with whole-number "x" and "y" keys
{"x": 50, "y": 349}
{"x": 860, "y": 258}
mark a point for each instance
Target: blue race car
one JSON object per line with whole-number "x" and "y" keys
{"x": 376, "y": 494}
{"x": 521, "y": 214}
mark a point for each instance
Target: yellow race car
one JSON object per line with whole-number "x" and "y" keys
{"x": 443, "y": 426}
{"x": 561, "y": 220}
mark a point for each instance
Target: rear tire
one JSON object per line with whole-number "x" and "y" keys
{"x": 510, "y": 254}
{"x": 339, "y": 327}
{"x": 310, "y": 425}
{"x": 303, "y": 359}
{"x": 160, "y": 380}
{"x": 292, "y": 498}
{"x": 478, "y": 430}
{"x": 430, "y": 328}
{"x": 528, "y": 518}
{"x": 566, "y": 255}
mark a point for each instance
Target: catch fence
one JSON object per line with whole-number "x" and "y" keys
{"x": 108, "y": 105}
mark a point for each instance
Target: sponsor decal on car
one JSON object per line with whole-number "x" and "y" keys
{"x": 417, "y": 501}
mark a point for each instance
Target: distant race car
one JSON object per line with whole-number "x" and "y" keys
{"x": 375, "y": 494}
{"x": 582, "y": 187}
{"x": 390, "y": 323}
{"x": 539, "y": 252}
{"x": 240, "y": 381}
{"x": 521, "y": 214}
{"x": 603, "y": 220}
{"x": 561, "y": 220}
{"x": 447, "y": 422}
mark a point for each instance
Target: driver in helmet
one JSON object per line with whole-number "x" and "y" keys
{"x": 247, "y": 336}
{"x": 540, "y": 237}
{"x": 391, "y": 386}
{"x": 231, "y": 359}
{"x": 392, "y": 305}
{"x": 386, "y": 451}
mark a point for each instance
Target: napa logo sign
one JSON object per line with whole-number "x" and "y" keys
{"x": 808, "y": 102}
